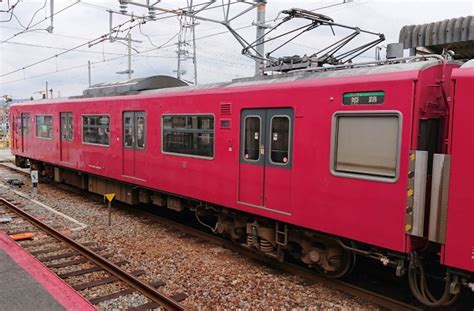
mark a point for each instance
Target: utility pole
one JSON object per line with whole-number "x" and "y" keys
{"x": 187, "y": 33}
{"x": 46, "y": 93}
{"x": 190, "y": 14}
{"x": 89, "y": 71}
{"x": 181, "y": 52}
{"x": 51, "y": 9}
{"x": 193, "y": 29}
{"x": 129, "y": 70}
{"x": 129, "y": 37}
{"x": 261, "y": 7}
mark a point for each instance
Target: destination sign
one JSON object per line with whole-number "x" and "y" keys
{"x": 363, "y": 98}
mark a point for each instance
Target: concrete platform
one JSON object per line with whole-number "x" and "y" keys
{"x": 26, "y": 284}
{"x": 6, "y": 155}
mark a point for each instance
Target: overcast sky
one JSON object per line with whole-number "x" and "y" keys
{"x": 218, "y": 55}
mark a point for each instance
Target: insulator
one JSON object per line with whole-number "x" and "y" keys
{"x": 151, "y": 13}
{"x": 123, "y": 8}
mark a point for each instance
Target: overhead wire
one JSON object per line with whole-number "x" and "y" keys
{"x": 142, "y": 52}
{"x": 63, "y": 70}
{"x": 34, "y": 14}
{"x": 10, "y": 10}
{"x": 77, "y": 50}
{"x": 55, "y": 34}
{"x": 94, "y": 63}
{"x": 80, "y": 45}
{"x": 39, "y": 22}
{"x": 98, "y": 39}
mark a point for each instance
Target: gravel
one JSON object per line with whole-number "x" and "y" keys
{"x": 214, "y": 278}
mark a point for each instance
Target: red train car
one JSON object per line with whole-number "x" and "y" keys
{"x": 318, "y": 165}
{"x": 459, "y": 250}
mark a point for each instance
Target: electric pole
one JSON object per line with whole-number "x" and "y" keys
{"x": 129, "y": 70}
{"x": 190, "y": 14}
{"x": 261, "y": 7}
{"x": 129, "y": 37}
{"x": 187, "y": 33}
{"x": 51, "y": 9}
{"x": 193, "y": 29}
{"x": 89, "y": 71}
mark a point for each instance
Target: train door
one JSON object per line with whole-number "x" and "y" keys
{"x": 134, "y": 129}
{"x": 16, "y": 133}
{"x": 24, "y": 131}
{"x": 266, "y": 159}
{"x": 67, "y": 136}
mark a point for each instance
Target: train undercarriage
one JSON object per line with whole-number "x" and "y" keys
{"x": 332, "y": 256}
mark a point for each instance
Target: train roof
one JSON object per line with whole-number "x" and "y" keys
{"x": 411, "y": 64}
{"x": 352, "y": 70}
{"x": 468, "y": 64}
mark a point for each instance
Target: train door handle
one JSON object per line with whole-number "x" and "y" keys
{"x": 262, "y": 150}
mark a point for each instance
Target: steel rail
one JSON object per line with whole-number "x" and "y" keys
{"x": 102, "y": 262}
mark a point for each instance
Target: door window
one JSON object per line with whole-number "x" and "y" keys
{"x": 134, "y": 130}
{"x": 128, "y": 129}
{"x": 25, "y": 124}
{"x": 67, "y": 126}
{"x": 280, "y": 139}
{"x": 252, "y": 138}
{"x": 266, "y": 137}
{"x": 140, "y": 130}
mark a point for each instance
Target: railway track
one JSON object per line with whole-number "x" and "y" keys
{"x": 68, "y": 248}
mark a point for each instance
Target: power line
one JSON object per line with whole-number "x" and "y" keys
{"x": 48, "y": 34}
{"x": 131, "y": 27}
{"x": 34, "y": 15}
{"x": 65, "y": 69}
{"x": 10, "y": 10}
{"x": 98, "y": 39}
{"x": 80, "y": 45}
{"x": 77, "y": 50}
{"x": 39, "y": 22}
{"x": 99, "y": 62}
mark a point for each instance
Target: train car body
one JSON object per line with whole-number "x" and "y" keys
{"x": 459, "y": 250}
{"x": 328, "y": 154}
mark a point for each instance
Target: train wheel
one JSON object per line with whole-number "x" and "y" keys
{"x": 342, "y": 263}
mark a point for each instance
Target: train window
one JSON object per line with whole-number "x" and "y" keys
{"x": 279, "y": 137}
{"x": 128, "y": 129}
{"x": 67, "y": 130}
{"x": 44, "y": 126}
{"x": 25, "y": 124}
{"x": 252, "y": 138}
{"x": 96, "y": 129}
{"x": 366, "y": 144}
{"x": 134, "y": 129}
{"x": 140, "y": 130}
{"x": 188, "y": 135}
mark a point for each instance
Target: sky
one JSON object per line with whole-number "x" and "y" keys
{"x": 24, "y": 73}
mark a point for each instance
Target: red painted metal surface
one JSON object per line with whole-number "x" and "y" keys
{"x": 310, "y": 195}
{"x": 459, "y": 248}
